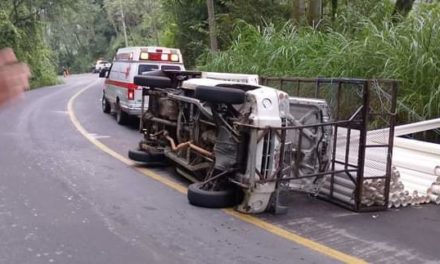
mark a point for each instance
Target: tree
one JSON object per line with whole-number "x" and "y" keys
{"x": 212, "y": 25}
{"x": 313, "y": 8}
{"x": 80, "y": 34}
{"x": 402, "y": 8}
{"x": 298, "y": 11}
{"x": 334, "y": 6}
{"x": 314, "y": 12}
{"x": 22, "y": 28}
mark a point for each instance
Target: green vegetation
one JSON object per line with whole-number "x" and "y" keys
{"x": 408, "y": 51}
{"x": 22, "y": 30}
{"x": 356, "y": 38}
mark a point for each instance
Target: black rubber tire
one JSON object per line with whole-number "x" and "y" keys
{"x": 218, "y": 94}
{"x": 153, "y": 81}
{"x": 211, "y": 199}
{"x": 146, "y": 157}
{"x": 105, "y": 105}
{"x": 121, "y": 116}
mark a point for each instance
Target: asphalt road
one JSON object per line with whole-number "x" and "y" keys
{"x": 63, "y": 200}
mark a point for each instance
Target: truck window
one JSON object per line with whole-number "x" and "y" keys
{"x": 147, "y": 68}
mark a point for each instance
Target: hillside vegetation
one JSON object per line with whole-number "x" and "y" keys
{"x": 303, "y": 38}
{"x": 408, "y": 51}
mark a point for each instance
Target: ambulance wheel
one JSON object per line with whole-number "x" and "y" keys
{"x": 105, "y": 105}
{"x": 121, "y": 116}
{"x": 211, "y": 199}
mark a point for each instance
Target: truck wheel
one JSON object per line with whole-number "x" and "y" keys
{"x": 217, "y": 94}
{"x": 121, "y": 116}
{"x": 211, "y": 199}
{"x": 105, "y": 105}
{"x": 147, "y": 157}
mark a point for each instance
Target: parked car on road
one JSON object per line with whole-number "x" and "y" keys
{"x": 121, "y": 95}
{"x": 101, "y": 65}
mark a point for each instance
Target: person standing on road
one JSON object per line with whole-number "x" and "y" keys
{"x": 14, "y": 76}
{"x": 65, "y": 72}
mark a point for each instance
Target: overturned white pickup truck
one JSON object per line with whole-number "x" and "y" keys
{"x": 229, "y": 138}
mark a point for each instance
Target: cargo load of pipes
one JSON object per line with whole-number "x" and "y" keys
{"x": 402, "y": 193}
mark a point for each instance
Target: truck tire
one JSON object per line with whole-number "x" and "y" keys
{"x": 105, "y": 105}
{"x": 146, "y": 157}
{"x": 153, "y": 81}
{"x": 211, "y": 199}
{"x": 217, "y": 94}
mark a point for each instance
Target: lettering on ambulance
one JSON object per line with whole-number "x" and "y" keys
{"x": 127, "y": 71}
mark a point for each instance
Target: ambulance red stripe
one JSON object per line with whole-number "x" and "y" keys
{"x": 121, "y": 84}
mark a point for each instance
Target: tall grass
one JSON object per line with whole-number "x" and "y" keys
{"x": 408, "y": 51}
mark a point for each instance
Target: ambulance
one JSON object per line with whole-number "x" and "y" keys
{"x": 120, "y": 95}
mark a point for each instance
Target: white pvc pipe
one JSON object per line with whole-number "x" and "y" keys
{"x": 367, "y": 203}
{"x": 434, "y": 198}
{"x": 429, "y": 164}
{"x": 339, "y": 189}
{"x": 437, "y": 172}
{"x": 404, "y": 203}
{"x": 338, "y": 196}
{"x": 416, "y": 181}
{"x": 403, "y": 166}
{"x": 380, "y": 202}
{"x": 396, "y": 189}
{"x": 407, "y": 173}
{"x": 435, "y": 189}
{"x": 420, "y": 153}
{"x": 344, "y": 182}
{"x": 409, "y": 128}
{"x": 418, "y": 145}
{"x": 419, "y": 189}
{"x": 414, "y": 163}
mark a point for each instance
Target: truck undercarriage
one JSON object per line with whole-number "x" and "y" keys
{"x": 241, "y": 145}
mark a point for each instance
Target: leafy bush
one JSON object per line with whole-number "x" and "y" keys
{"x": 408, "y": 51}
{"x": 29, "y": 46}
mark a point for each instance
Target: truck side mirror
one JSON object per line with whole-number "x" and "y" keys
{"x": 103, "y": 73}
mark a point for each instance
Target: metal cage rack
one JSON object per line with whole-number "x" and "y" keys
{"x": 363, "y": 116}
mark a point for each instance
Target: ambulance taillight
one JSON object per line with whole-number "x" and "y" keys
{"x": 159, "y": 55}
{"x": 130, "y": 94}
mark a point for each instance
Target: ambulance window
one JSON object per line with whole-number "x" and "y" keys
{"x": 147, "y": 68}
{"x": 171, "y": 67}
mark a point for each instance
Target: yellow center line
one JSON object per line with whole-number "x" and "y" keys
{"x": 271, "y": 228}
